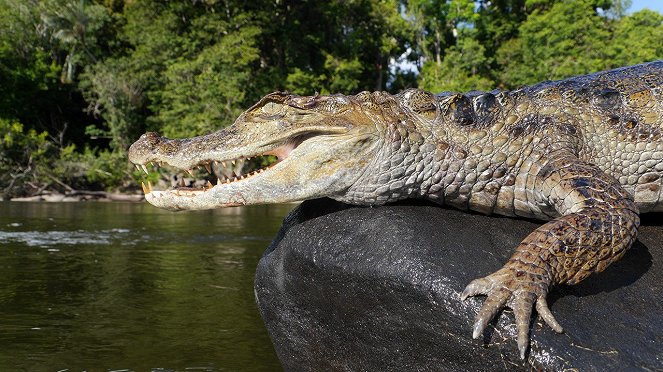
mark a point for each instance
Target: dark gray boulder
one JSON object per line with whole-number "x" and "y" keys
{"x": 348, "y": 288}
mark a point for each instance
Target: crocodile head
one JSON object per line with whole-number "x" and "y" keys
{"x": 322, "y": 145}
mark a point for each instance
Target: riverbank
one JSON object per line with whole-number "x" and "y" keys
{"x": 78, "y": 196}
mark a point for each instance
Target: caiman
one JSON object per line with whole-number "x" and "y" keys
{"x": 584, "y": 154}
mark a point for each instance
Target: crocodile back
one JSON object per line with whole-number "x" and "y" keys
{"x": 618, "y": 116}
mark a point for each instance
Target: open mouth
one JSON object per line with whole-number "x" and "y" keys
{"x": 209, "y": 173}
{"x": 221, "y": 167}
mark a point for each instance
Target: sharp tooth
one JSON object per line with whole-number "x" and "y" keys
{"x": 145, "y": 190}
{"x": 224, "y": 164}
{"x": 232, "y": 161}
{"x": 218, "y": 181}
{"x": 144, "y": 168}
{"x": 227, "y": 180}
{"x": 189, "y": 171}
{"x": 149, "y": 186}
{"x": 209, "y": 168}
{"x": 238, "y": 167}
{"x": 137, "y": 167}
{"x": 216, "y": 162}
{"x": 209, "y": 185}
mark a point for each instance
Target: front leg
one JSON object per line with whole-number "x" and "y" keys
{"x": 598, "y": 223}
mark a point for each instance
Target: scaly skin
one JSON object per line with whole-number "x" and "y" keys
{"x": 583, "y": 153}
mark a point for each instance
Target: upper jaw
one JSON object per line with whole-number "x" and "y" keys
{"x": 225, "y": 145}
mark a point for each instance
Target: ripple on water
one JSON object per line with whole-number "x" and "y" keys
{"x": 52, "y": 238}
{"x": 111, "y": 237}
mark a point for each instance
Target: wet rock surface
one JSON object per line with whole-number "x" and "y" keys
{"x": 368, "y": 289}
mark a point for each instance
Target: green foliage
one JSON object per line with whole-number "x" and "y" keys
{"x": 304, "y": 82}
{"x": 116, "y": 97}
{"x": 72, "y": 26}
{"x": 637, "y": 38}
{"x": 325, "y": 46}
{"x": 20, "y": 147}
{"x": 572, "y": 38}
{"x": 32, "y": 162}
{"x": 29, "y": 89}
{"x": 206, "y": 91}
{"x": 106, "y": 169}
{"x": 435, "y": 23}
{"x": 459, "y": 71}
{"x": 343, "y": 76}
{"x": 23, "y": 152}
{"x": 567, "y": 40}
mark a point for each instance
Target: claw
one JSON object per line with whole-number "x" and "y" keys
{"x": 546, "y": 315}
{"x": 493, "y": 304}
{"x": 477, "y": 286}
{"x": 522, "y": 347}
{"x": 522, "y": 310}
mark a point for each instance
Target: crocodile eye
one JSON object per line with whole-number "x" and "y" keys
{"x": 271, "y": 108}
{"x": 335, "y": 105}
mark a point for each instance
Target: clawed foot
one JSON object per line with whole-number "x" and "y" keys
{"x": 517, "y": 289}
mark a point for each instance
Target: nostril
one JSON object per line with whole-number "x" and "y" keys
{"x": 152, "y": 138}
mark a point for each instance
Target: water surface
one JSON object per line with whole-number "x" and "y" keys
{"x": 126, "y": 286}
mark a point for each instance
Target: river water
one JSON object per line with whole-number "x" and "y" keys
{"x": 126, "y": 286}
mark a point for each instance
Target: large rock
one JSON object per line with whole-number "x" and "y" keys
{"x": 377, "y": 289}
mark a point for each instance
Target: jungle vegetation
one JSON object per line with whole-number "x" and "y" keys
{"x": 80, "y": 80}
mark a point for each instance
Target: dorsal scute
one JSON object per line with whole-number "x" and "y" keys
{"x": 420, "y": 102}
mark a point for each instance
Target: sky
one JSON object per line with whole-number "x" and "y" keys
{"x": 649, "y": 4}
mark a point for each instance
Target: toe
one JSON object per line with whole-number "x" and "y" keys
{"x": 494, "y": 303}
{"x": 548, "y": 317}
{"x": 522, "y": 310}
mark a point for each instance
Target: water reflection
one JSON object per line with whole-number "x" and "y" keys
{"x": 127, "y": 286}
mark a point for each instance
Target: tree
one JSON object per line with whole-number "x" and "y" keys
{"x": 115, "y": 96}
{"x": 498, "y": 21}
{"x": 452, "y": 58}
{"x": 207, "y": 90}
{"x": 460, "y": 69}
{"x": 637, "y": 38}
{"x": 332, "y": 46}
{"x": 71, "y": 26}
{"x": 30, "y": 91}
{"x": 569, "y": 39}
